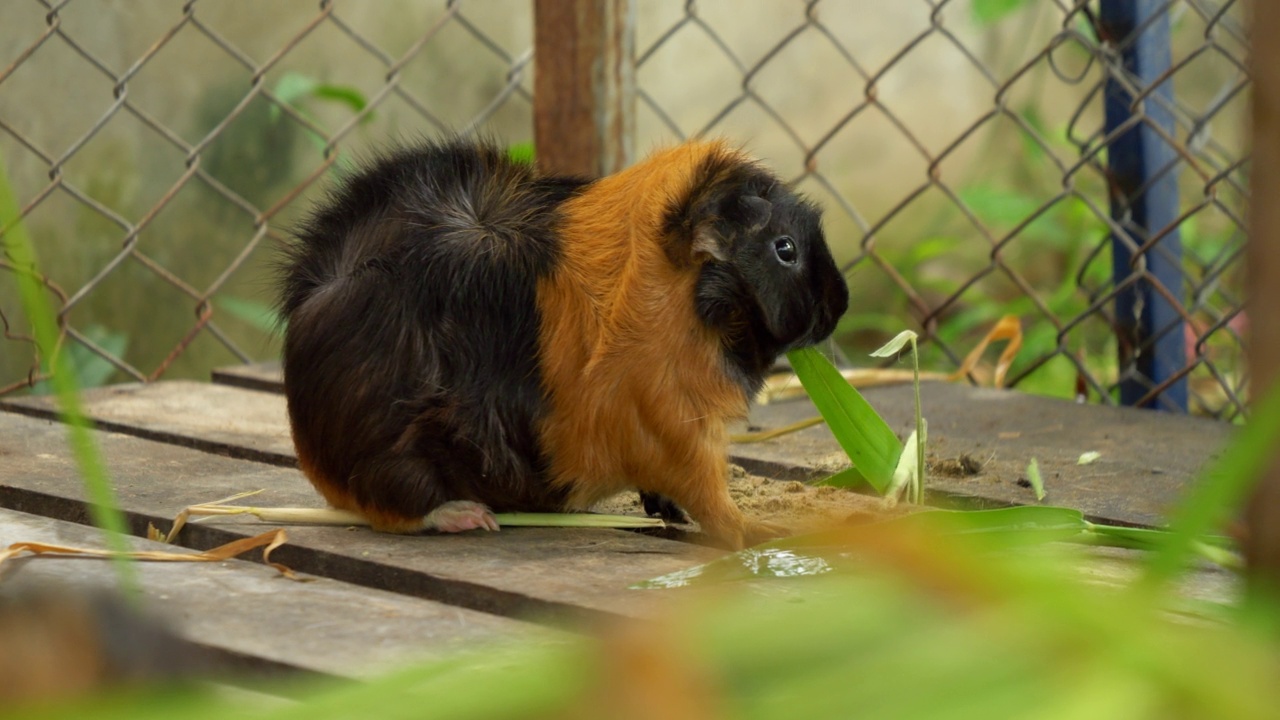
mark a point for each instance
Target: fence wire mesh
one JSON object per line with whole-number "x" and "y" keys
{"x": 989, "y": 191}
{"x": 156, "y": 150}
{"x": 963, "y": 150}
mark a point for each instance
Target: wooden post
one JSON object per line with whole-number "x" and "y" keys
{"x": 1262, "y": 517}
{"x": 584, "y": 85}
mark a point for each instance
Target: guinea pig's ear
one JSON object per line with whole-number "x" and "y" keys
{"x": 755, "y": 212}
{"x": 750, "y": 212}
{"x": 706, "y": 241}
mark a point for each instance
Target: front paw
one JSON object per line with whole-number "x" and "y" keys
{"x": 663, "y": 506}
{"x": 755, "y": 533}
{"x": 743, "y": 534}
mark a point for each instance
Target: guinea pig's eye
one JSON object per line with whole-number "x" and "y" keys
{"x": 785, "y": 248}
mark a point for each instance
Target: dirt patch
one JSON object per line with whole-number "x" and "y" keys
{"x": 965, "y": 465}
{"x": 792, "y": 504}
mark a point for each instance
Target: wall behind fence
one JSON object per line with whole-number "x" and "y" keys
{"x": 963, "y": 151}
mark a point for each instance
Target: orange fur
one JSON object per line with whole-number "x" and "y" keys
{"x": 637, "y": 387}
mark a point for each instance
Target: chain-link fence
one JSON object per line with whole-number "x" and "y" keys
{"x": 1078, "y": 165}
{"x": 158, "y": 150}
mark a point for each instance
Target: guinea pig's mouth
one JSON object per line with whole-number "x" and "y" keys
{"x": 820, "y": 328}
{"x": 815, "y": 327}
{"x": 821, "y": 321}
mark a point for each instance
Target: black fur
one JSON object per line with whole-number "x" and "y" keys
{"x": 659, "y": 505}
{"x": 411, "y": 348}
{"x": 762, "y": 307}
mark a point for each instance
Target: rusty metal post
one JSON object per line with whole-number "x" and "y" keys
{"x": 584, "y": 85}
{"x": 1262, "y": 517}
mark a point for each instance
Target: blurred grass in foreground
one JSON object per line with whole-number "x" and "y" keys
{"x": 923, "y": 630}
{"x": 914, "y": 621}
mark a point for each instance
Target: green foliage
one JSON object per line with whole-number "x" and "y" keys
{"x": 296, "y": 89}
{"x": 988, "y": 12}
{"x": 299, "y": 91}
{"x": 521, "y": 153}
{"x": 257, "y": 314}
{"x": 90, "y": 368}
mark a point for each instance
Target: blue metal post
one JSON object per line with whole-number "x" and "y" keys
{"x": 1144, "y": 198}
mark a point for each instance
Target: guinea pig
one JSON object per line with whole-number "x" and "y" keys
{"x": 466, "y": 336}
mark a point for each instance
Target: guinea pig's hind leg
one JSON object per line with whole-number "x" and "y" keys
{"x": 460, "y": 516}
{"x": 663, "y": 507}
{"x": 414, "y": 487}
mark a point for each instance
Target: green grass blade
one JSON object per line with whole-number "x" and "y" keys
{"x": 102, "y": 502}
{"x": 865, "y": 437}
{"x": 1217, "y": 549}
{"x": 1220, "y": 490}
{"x": 915, "y": 443}
{"x": 850, "y": 477}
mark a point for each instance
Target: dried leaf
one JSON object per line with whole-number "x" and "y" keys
{"x": 1008, "y": 328}
{"x": 271, "y": 539}
{"x": 761, "y": 436}
{"x": 784, "y": 386}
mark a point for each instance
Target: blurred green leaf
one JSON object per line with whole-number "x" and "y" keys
{"x": 999, "y": 206}
{"x": 521, "y": 153}
{"x": 91, "y": 369}
{"x": 342, "y": 94}
{"x": 291, "y": 89}
{"x": 1032, "y": 150}
{"x": 294, "y": 88}
{"x": 987, "y": 12}
{"x": 257, "y": 314}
